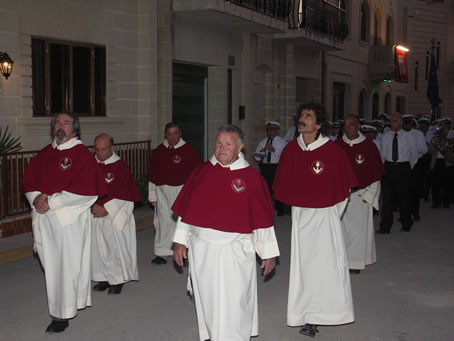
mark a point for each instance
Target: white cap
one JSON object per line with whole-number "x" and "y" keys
{"x": 367, "y": 127}
{"x": 272, "y": 124}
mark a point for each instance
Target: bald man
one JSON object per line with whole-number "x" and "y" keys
{"x": 114, "y": 250}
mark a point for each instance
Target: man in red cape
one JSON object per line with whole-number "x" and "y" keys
{"x": 61, "y": 184}
{"x": 315, "y": 177}
{"x": 171, "y": 164}
{"x": 114, "y": 245}
{"x": 357, "y": 221}
{"x": 225, "y": 217}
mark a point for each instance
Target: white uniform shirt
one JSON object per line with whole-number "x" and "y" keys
{"x": 406, "y": 147}
{"x": 420, "y": 139}
{"x": 290, "y": 134}
{"x": 278, "y": 144}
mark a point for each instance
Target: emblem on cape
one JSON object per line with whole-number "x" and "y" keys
{"x": 65, "y": 163}
{"x": 318, "y": 167}
{"x": 109, "y": 177}
{"x": 177, "y": 159}
{"x": 238, "y": 185}
{"x": 359, "y": 159}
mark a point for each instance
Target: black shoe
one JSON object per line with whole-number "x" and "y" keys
{"x": 309, "y": 330}
{"x": 405, "y": 229}
{"x": 115, "y": 289}
{"x": 383, "y": 231}
{"x": 57, "y": 326}
{"x": 354, "y": 271}
{"x": 101, "y": 286}
{"x": 159, "y": 260}
{"x": 445, "y": 205}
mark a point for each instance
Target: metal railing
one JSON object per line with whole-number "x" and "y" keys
{"x": 319, "y": 16}
{"x": 278, "y": 9}
{"x": 12, "y": 199}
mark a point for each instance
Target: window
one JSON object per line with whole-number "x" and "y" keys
{"x": 69, "y": 77}
{"x": 377, "y": 28}
{"x": 387, "y": 106}
{"x": 389, "y": 32}
{"x": 362, "y": 104}
{"x": 375, "y": 105}
{"x": 400, "y": 104}
{"x": 364, "y": 22}
{"x": 338, "y": 100}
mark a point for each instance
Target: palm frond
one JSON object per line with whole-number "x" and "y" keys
{"x": 8, "y": 144}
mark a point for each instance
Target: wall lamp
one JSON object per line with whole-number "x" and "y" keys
{"x": 6, "y": 64}
{"x": 402, "y": 48}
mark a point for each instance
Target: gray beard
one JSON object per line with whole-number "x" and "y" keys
{"x": 60, "y": 137}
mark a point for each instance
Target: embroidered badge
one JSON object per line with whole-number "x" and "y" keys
{"x": 317, "y": 167}
{"x": 359, "y": 159}
{"x": 109, "y": 177}
{"x": 65, "y": 163}
{"x": 238, "y": 185}
{"x": 176, "y": 159}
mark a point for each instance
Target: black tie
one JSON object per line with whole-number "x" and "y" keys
{"x": 395, "y": 149}
{"x": 268, "y": 152}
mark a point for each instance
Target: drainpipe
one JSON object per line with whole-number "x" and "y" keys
{"x": 323, "y": 78}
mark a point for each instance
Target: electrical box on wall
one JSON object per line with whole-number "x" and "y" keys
{"x": 241, "y": 112}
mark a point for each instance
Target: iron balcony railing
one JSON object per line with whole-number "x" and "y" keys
{"x": 278, "y": 9}
{"x": 12, "y": 199}
{"x": 319, "y": 16}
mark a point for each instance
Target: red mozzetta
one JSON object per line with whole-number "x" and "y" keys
{"x": 119, "y": 181}
{"x": 72, "y": 170}
{"x": 172, "y": 167}
{"x": 366, "y": 161}
{"x": 319, "y": 178}
{"x": 224, "y": 199}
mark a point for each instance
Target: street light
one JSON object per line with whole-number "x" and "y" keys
{"x": 6, "y": 64}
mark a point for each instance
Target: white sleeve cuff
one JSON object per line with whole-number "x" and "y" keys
{"x": 266, "y": 243}
{"x": 181, "y": 232}
{"x": 151, "y": 192}
{"x": 31, "y": 196}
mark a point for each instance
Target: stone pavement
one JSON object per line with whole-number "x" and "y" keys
{"x": 408, "y": 295}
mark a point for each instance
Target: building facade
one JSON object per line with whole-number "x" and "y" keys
{"x": 130, "y": 66}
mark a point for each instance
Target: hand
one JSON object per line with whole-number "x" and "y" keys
{"x": 268, "y": 265}
{"x": 99, "y": 211}
{"x": 270, "y": 147}
{"x": 180, "y": 252}
{"x": 41, "y": 203}
{"x": 153, "y": 203}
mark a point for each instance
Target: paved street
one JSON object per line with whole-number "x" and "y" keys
{"x": 408, "y": 295}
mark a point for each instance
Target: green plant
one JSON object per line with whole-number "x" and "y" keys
{"x": 143, "y": 187}
{"x": 8, "y": 144}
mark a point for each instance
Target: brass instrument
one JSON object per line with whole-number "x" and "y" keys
{"x": 444, "y": 145}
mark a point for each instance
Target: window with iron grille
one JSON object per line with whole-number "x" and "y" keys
{"x": 68, "y": 77}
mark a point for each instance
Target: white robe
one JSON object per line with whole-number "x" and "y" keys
{"x": 319, "y": 288}
{"x": 358, "y": 226}
{"x": 114, "y": 245}
{"x": 223, "y": 274}
{"x": 62, "y": 240}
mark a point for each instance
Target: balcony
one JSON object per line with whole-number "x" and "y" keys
{"x": 381, "y": 63}
{"x": 316, "y": 24}
{"x": 241, "y": 16}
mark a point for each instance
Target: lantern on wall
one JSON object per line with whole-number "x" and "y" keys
{"x": 6, "y": 64}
